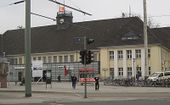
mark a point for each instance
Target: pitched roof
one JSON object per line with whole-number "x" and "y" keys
{"x": 53, "y": 38}
{"x": 163, "y": 34}
{"x": 1, "y": 43}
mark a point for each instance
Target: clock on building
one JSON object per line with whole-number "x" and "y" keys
{"x": 61, "y": 21}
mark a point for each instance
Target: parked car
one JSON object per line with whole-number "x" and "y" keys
{"x": 155, "y": 76}
{"x": 159, "y": 76}
{"x": 166, "y": 75}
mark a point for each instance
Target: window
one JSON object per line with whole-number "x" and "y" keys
{"x": 130, "y": 36}
{"x": 54, "y": 59}
{"x": 20, "y": 60}
{"x": 129, "y": 54}
{"x": 167, "y": 74}
{"x": 111, "y": 53}
{"x": 129, "y": 72}
{"x": 120, "y": 72}
{"x": 44, "y": 60}
{"x": 34, "y": 58}
{"x": 13, "y": 61}
{"x": 65, "y": 58}
{"x": 71, "y": 58}
{"x": 60, "y": 58}
{"x": 39, "y": 58}
{"x": 120, "y": 54}
{"x": 49, "y": 59}
{"x": 149, "y": 70}
{"x": 149, "y": 52}
{"x": 138, "y": 68}
{"x": 138, "y": 53}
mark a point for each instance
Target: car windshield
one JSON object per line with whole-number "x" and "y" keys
{"x": 155, "y": 74}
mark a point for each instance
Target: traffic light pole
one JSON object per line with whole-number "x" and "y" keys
{"x": 85, "y": 73}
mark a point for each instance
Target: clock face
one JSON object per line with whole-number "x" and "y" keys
{"x": 61, "y": 20}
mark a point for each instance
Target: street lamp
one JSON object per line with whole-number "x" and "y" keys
{"x": 28, "y": 91}
{"x": 145, "y": 37}
{"x": 28, "y": 79}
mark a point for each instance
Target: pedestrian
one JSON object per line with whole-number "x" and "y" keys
{"x": 74, "y": 81}
{"x": 59, "y": 78}
{"x": 22, "y": 82}
{"x": 138, "y": 75}
{"x": 96, "y": 83}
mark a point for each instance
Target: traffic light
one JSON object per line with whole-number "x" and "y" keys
{"x": 82, "y": 56}
{"x": 86, "y": 57}
{"x": 89, "y": 57}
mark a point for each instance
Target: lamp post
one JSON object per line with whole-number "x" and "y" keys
{"x": 85, "y": 82}
{"x": 145, "y": 37}
{"x": 28, "y": 92}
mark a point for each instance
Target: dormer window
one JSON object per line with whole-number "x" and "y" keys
{"x": 130, "y": 36}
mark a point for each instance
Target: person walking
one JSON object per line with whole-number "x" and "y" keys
{"x": 59, "y": 78}
{"x": 96, "y": 83}
{"x": 138, "y": 75}
{"x": 74, "y": 81}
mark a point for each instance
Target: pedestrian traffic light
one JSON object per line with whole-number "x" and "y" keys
{"x": 83, "y": 56}
{"x": 89, "y": 40}
{"x": 89, "y": 57}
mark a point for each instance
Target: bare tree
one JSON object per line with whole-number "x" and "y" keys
{"x": 152, "y": 24}
{"x": 20, "y": 27}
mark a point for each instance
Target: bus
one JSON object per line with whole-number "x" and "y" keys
{"x": 91, "y": 72}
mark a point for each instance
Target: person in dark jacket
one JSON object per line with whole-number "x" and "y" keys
{"x": 22, "y": 82}
{"x": 96, "y": 83}
{"x": 138, "y": 75}
{"x": 59, "y": 78}
{"x": 74, "y": 81}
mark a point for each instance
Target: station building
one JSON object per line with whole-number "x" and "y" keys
{"x": 118, "y": 46}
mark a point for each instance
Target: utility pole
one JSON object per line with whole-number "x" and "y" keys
{"x": 28, "y": 92}
{"x": 85, "y": 73}
{"x": 145, "y": 37}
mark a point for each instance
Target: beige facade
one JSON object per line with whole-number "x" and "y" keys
{"x": 125, "y": 61}
{"x": 52, "y": 57}
{"x": 115, "y": 61}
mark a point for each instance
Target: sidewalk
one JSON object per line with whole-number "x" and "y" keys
{"x": 65, "y": 87}
{"x": 64, "y": 92}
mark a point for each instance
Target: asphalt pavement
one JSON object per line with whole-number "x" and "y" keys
{"x": 63, "y": 92}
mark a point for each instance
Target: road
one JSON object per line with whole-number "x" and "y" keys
{"x": 63, "y": 94}
{"x": 132, "y": 102}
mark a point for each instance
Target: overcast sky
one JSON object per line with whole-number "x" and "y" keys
{"x": 12, "y": 16}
